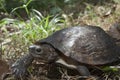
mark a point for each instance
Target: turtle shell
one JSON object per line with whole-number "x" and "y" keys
{"x": 85, "y": 44}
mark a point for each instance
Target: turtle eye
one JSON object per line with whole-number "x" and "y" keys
{"x": 38, "y": 49}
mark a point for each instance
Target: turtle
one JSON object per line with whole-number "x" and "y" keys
{"x": 75, "y": 47}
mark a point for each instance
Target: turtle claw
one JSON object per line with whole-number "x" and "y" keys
{"x": 19, "y": 68}
{"x": 19, "y": 71}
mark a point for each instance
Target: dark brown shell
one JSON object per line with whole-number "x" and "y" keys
{"x": 88, "y": 44}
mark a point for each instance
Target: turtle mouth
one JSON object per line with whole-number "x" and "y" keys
{"x": 35, "y": 55}
{"x": 39, "y": 58}
{"x": 41, "y": 61}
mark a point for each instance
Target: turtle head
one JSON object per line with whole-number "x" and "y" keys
{"x": 43, "y": 52}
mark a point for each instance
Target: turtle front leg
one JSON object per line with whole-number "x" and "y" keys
{"x": 19, "y": 68}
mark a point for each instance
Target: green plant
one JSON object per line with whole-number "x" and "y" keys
{"x": 39, "y": 26}
{"x": 24, "y": 6}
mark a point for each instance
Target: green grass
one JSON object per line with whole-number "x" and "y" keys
{"x": 39, "y": 26}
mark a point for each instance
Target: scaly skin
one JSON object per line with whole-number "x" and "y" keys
{"x": 19, "y": 68}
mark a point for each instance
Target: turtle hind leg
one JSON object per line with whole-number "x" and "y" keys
{"x": 85, "y": 74}
{"x": 83, "y": 70}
